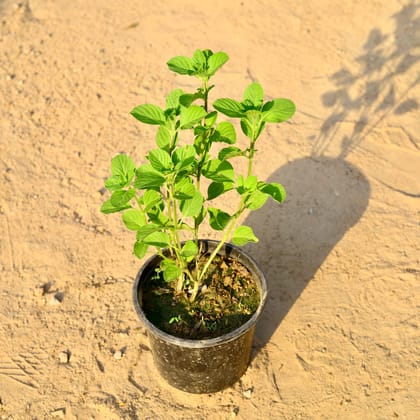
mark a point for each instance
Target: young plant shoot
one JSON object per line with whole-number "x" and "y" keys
{"x": 163, "y": 200}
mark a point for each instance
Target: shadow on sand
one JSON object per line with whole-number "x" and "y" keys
{"x": 326, "y": 198}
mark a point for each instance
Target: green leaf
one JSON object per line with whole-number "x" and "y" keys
{"x": 199, "y": 60}
{"x": 140, "y": 249}
{"x": 148, "y": 177}
{"x": 184, "y": 189}
{"x": 251, "y": 124}
{"x": 260, "y": 129}
{"x": 254, "y": 94}
{"x": 181, "y": 65}
{"x": 108, "y": 208}
{"x": 226, "y": 132}
{"x": 163, "y": 138}
{"x": 229, "y": 107}
{"x": 218, "y": 188}
{"x": 218, "y": 218}
{"x": 146, "y": 230}
{"x": 122, "y": 197}
{"x": 149, "y": 114}
{"x": 278, "y": 110}
{"x": 211, "y": 118}
{"x": 248, "y": 184}
{"x": 230, "y": 152}
{"x": 157, "y": 217}
{"x": 172, "y": 100}
{"x": 122, "y": 168}
{"x": 150, "y": 199}
{"x": 170, "y": 270}
{"x": 216, "y": 61}
{"x": 122, "y": 165}
{"x": 275, "y": 190}
{"x": 192, "y": 207}
{"x": 201, "y": 216}
{"x": 134, "y": 219}
{"x": 160, "y": 160}
{"x": 188, "y": 98}
{"x": 191, "y": 116}
{"x": 183, "y": 157}
{"x": 247, "y": 128}
{"x": 243, "y": 235}
{"x": 190, "y": 249}
{"x": 251, "y": 182}
{"x": 158, "y": 239}
{"x": 115, "y": 182}
{"x": 219, "y": 171}
{"x": 256, "y": 199}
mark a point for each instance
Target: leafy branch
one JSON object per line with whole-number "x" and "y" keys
{"x": 163, "y": 198}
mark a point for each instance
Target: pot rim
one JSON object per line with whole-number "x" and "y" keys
{"x": 210, "y": 342}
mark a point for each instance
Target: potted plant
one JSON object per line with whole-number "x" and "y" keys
{"x": 198, "y": 299}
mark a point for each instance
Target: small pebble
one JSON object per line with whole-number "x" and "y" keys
{"x": 248, "y": 393}
{"x": 118, "y": 355}
{"x": 53, "y": 300}
{"x": 64, "y": 357}
{"x": 60, "y": 413}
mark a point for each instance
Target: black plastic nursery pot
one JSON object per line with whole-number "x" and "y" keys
{"x": 209, "y": 365}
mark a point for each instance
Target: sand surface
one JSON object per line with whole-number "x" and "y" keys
{"x": 339, "y": 338}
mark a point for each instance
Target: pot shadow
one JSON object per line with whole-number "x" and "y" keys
{"x": 326, "y": 197}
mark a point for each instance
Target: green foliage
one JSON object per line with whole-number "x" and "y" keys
{"x": 161, "y": 200}
{"x": 149, "y": 114}
{"x": 243, "y": 235}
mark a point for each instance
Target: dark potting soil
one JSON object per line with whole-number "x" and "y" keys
{"x": 228, "y": 298}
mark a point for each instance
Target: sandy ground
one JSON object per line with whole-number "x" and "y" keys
{"x": 339, "y": 338}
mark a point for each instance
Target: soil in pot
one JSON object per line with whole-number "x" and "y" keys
{"x": 228, "y": 298}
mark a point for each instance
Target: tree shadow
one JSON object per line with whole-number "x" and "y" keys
{"x": 367, "y": 94}
{"x": 325, "y": 198}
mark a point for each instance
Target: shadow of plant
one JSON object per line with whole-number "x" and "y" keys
{"x": 326, "y": 197}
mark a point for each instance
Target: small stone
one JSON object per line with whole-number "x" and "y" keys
{"x": 118, "y": 355}
{"x": 53, "y": 299}
{"x": 60, "y": 413}
{"x": 248, "y": 393}
{"x": 99, "y": 229}
{"x": 64, "y": 357}
{"x": 235, "y": 412}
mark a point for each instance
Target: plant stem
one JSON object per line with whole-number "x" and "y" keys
{"x": 233, "y": 221}
{"x": 224, "y": 239}
{"x": 173, "y": 214}
{"x": 206, "y": 94}
{"x": 251, "y": 155}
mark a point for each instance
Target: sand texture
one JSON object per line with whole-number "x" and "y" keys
{"x": 339, "y": 338}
